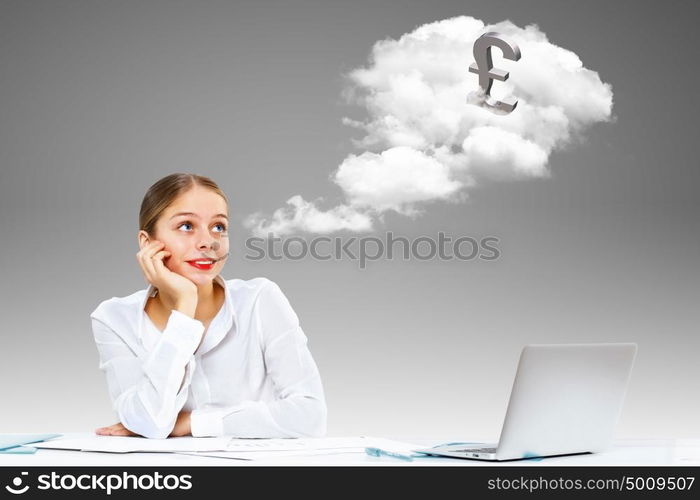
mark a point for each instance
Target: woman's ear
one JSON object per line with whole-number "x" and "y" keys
{"x": 144, "y": 239}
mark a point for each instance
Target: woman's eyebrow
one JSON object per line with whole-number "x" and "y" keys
{"x": 191, "y": 214}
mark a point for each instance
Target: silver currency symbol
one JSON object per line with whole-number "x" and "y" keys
{"x": 483, "y": 66}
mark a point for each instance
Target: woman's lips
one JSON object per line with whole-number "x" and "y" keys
{"x": 201, "y": 265}
{"x": 205, "y": 267}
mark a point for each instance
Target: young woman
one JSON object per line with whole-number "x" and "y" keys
{"x": 194, "y": 354}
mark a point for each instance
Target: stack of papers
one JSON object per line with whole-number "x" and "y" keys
{"x": 127, "y": 444}
{"x": 230, "y": 447}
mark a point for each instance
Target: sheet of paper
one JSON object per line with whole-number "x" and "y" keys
{"x": 305, "y": 444}
{"x": 124, "y": 444}
{"x": 262, "y": 455}
{"x": 260, "y": 449}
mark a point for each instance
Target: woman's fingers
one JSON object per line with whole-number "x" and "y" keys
{"x": 107, "y": 431}
{"x": 145, "y": 257}
{"x": 115, "y": 430}
{"x": 140, "y": 260}
{"x": 158, "y": 263}
{"x": 123, "y": 432}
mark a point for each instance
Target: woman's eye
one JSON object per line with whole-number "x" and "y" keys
{"x": 221, "y": 226}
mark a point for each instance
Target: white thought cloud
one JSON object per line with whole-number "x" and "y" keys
{"x": 424, "y": 142}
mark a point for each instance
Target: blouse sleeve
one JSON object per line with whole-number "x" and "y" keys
{"x": 148, "y": 392}
{"x": 299, "y": 409}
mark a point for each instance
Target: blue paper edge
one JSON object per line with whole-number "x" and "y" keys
{"x": 19, "y": 450}
{"x": 33, "y": 438}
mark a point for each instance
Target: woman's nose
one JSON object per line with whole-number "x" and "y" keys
{"x": 214, "y": 245}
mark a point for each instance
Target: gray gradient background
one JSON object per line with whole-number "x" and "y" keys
{"x": 100, "y": 99}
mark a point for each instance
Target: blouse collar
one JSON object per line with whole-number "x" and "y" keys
{"x": 218, "y": 328}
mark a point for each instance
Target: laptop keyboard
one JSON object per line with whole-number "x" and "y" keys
{"x": 477, "y": 450}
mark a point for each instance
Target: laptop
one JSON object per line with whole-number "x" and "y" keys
{"x": 566, "y": 399}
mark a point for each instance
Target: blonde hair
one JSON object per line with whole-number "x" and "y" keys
{"x": 161, "y": 194}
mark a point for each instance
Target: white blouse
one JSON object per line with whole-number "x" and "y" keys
{"x": 252, "y": 376}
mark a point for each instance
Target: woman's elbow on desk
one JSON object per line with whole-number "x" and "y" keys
{"x": 157, "y": 433}
{"x": 146, "y": 427}
{"x": 314, "y": 419}
{"x": 316, "y": 430}
{"x": 320, "y": 427}
{"x": 291, "y": 417}
{"x": 137, "y": 420}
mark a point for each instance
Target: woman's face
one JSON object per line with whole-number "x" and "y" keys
{"x": 194, "y": 227}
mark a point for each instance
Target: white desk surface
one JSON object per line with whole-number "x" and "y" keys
{"x": 623, "y": 452}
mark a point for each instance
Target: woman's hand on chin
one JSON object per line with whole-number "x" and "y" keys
{"x": 175, "y": 291}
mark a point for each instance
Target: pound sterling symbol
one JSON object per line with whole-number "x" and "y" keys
{"x": 483, "y": 66}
